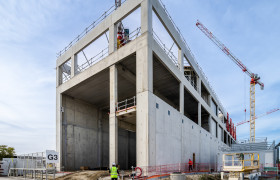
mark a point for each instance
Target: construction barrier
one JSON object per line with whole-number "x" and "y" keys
{"x": 148, "y": 172}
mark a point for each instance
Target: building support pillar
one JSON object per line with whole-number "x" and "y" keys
{"x": 113, "y": 121}
{"x": 146, "y": 17}
{"x": 199, "y": 113}
{"x": 198, "y": 85}
{"x": 181, "y": 60}
{"x": 182, "y": 98}
{"x": 59, "y": 111}
{"x": 210, "y": 124}
{"x": 74, "y": 65}
{"x": 112, "y": 38}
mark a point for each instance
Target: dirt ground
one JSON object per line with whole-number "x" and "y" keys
{"x": 84, "y": 175}
{"x": 90, "y": 175}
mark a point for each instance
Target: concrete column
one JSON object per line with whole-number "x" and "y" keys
{"x": 144, "y": 70}
{"x": 209, "y": 100}
{"x": 199, "y": 113}
{"x": 145, "y": 125}
{"x": 100, "y": 139}
{"x": 59, "y": 128}
{"x": 210, "y": 124}
{"x": 74, "y": 65}
{"x": 146, "y": 16}
{"x": 198, "y": 82}
{"x": 112, "y": 38}
{"x": 181, "y": 60}
{"x": 113, "y": 121}
{"x": 182, "y": 98}
{"x": 58, "y": 76}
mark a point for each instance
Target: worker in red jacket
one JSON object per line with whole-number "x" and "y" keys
{"x": 190, "y": 165}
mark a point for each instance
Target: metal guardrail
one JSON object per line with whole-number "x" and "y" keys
{"x": 166, "y": 50}
{"x": 165, "y": 170}
{"x": 184, "y": 41}
{"x": 89, "y": 28}
{"x": 32, "y": 165}
{"x": 93, "y": 60}
{"x": 126, "y": 104}
{"x": 191, "y": 82}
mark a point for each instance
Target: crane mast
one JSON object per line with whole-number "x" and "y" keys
{"x": 255, "y": 79}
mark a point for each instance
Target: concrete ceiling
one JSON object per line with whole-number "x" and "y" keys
{"x": 96, "y": 90}
{"x": 165, "y": 84}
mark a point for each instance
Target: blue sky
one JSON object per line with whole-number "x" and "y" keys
{"x": 32, "y": 32}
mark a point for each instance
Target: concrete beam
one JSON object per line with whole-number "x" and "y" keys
{"x": 102, "y": 27}
{"x": 114, "y": 58}
{"x": 127, "y": 126}
{"x": 127, "y": 74}
{"x": 113, "y": 121}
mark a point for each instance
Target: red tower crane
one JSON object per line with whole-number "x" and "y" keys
{"x": 259, "y": 116}
{"x": 255, "y": 79}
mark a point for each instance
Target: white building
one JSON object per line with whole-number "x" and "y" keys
{"x": 135, "y": 105}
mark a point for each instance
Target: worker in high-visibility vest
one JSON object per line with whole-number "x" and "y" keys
{"x": 190, "y": 165}
{"x": 114, "y": 172}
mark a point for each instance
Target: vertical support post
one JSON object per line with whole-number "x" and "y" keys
{"x": 113, "y": 122}
{"x": 59, "y": 127}
{"x": 58, "y": 76}
{"x": 182, "y": 98}
{"x": 181, "y": 60}
{"x": 198, "y": 84}
{"x": 100, "y": 139}
{"x": 146, "y": 17}
{"x": 112, "y": 38}
{"x": 199, "y": 113}
{"x": 209, "y": 100}
{"x": 145, "y": 125}
{"x": 210, "y": 124}
{"x": 74, "y": 65}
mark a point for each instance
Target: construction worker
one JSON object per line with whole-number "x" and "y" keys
{"x": 114, "y": 172}
{"x": 190, "y": 165}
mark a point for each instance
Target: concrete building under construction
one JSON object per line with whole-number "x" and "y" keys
{"x": 135, "y": 103}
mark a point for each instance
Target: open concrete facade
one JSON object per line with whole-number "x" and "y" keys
{"x": 168, "y": 121}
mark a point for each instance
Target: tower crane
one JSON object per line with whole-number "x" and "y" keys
{"x": 259, "y": 116}
{"x": 255, "y": 79}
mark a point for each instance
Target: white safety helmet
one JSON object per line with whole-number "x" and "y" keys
{"x": 113, "y": 164}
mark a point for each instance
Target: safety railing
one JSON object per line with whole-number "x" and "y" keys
{"x": 93, "y": 60}
{"x": 126, "y": 104}
{"x": 65, "y": 77}
{"x": 89, "y": 28}
{"x": 166, "y": 50}
{"x": 32, "y": 165}
{"x": 184, "y": 41}
{"x": 165, "y": 170}
{"x": 192, "y": 82}
{"x": 65, "y": 72}
{"x": 133, "y": 35}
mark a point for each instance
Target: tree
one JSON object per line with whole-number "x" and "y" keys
{"x": 6, "y": 152}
